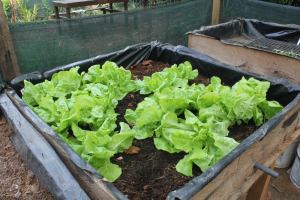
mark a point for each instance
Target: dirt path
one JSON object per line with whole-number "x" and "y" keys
{"x": 16, "y": 181}
{"x": 282, "y": 188}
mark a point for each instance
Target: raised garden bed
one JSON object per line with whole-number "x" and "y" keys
{"x": 162, "y": 176}
{"x": 151, "y": 173}
{"x": 251, "y": 45}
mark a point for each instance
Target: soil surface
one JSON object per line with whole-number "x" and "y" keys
{"x": 16, "y": 182}
{"x": 149, "y": 173}
{"x": 146, "y": 68}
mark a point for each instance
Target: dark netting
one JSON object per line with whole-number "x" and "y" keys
{"x": 47, "y": 44}
{"x": 260, "y": 10}
{"x": 43, "y": 45}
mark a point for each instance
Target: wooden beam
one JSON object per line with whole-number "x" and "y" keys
{"x": 251, "y": 60}
{"x": 215, "y": 15}
{"x": 260, "y": 188}
{"x": 8, "y": 59}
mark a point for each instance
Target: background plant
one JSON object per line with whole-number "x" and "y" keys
{"x": 27, "y": 10}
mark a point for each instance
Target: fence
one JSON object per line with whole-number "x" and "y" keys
{"x": 43, "y": 45}
{"x": 260, "y": 10}
{"x": 46, "y": 44}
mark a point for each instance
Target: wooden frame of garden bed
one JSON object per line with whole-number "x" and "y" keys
{"x": 232, "y": 180}
{"x": 263, "y": 63}
{"x": 238, "y": 177}
{"x": 251, "y": 60}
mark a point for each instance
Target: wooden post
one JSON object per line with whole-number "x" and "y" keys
{"x": 215, "y": 15}
{"x": 56, "y": 12}
{"x": 68, "y": 11}
{"x": 260, "y": 188}
{"x": 8, "y": 59}
{"x": 126, "y": 5}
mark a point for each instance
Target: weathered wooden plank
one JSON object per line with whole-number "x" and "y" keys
{"x": 39, "y": 156}
{"x": 8, "y": 59}
{"x": 215, "y": 15}
{"x": 92, "y": 184}
{"x": 82, "y": 3}
{"x": 260, "y": 188}
{"x": 69, "y": 4}
{"x": 237, "y": 178}
{"x": 251, "y": 60}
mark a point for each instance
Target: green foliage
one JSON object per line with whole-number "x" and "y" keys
{"x": 80, "y": 108}
{"x": 193, "y": 119}
{"x": 26, "y": 14}
{"x": 6, "y": 6}
{"x": 27, "y": 10}
{"x": 173, "y": 76}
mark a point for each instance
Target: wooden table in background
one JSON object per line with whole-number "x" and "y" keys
{"x": 68, "y": 4}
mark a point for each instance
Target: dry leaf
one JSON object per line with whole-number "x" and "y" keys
{"x": 133, "y": 150}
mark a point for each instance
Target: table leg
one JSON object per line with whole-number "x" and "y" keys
{"x": 68, "y": 10}
{"x": 126, "y": 5}
{"x": 56, "y": 12}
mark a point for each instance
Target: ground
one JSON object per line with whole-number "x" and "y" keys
{"x": 17, "y": 182}
{"x": 281, "y": 188}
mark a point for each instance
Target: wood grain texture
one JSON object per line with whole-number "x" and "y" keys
{"x": 251, "y": 60}
{"x": 39, "y": 156}
{"x": 260, "y": 188}
{"x": 82, "y": 3}
{"x": 69, "y": 4}
{"x": 8, "y": 59}
{"x": 95, "y": 187}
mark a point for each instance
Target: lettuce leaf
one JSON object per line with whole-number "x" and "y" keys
{"x": 193, "y": 119}
{"x": 81, "y": 109}
{"x": 176, "y": 75}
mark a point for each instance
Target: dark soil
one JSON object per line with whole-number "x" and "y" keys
{"x": 151, "y": 174}
{"x": 147, "y": 68}
{"x": 130, "y": 101}
{"x": 200, "y": 79}
{"x": 241, "y": 132}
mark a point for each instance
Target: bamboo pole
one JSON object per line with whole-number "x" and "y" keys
{"x": 215, "y": 15}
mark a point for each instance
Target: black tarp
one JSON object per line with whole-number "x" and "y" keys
{"x": 281, "y": 90}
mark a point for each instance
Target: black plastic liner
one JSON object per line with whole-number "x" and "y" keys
{"x": 281, "y": 90}
{"x": 265, "y": 36}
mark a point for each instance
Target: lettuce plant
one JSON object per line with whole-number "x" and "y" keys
{"x": 193, "y": 119}
{"x": 81, "y": 109}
